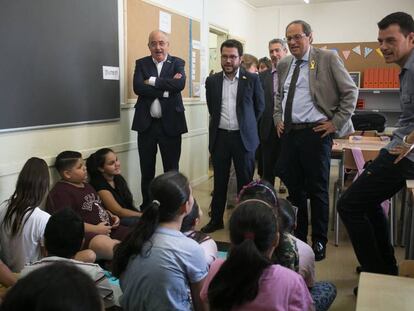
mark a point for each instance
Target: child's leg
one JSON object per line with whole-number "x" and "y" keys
{"x": 103, "y": 246}
{"x": 86, "y": 255}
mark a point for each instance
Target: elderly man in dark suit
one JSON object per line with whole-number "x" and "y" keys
{"x": 316, "y": 100}
{"x": 235, "y": 102}
{"x": 159, "y": 113}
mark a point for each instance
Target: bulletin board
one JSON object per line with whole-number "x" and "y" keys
{"x": 358, "y": 56}
{"x": 141, "y": 19}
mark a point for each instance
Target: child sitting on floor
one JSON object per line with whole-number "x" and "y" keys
{"x": 104, "y": 171}
{"x": 206, "y": 242}
{"x": 102, "y": 229}
{"x": 64, "y": 235}
{"x": 247, "y": 279}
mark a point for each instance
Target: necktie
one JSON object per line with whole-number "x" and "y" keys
{"x": 290, "y": 96}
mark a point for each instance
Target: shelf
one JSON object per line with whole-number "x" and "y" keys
{"x": 379, "y": 91}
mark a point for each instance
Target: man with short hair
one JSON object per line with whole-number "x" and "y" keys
{"x": 159, "y": 113}
{"x": 360, "y": 206}
{"x": 235, "y": 102}
{"x": 316, "y": 99}
{"x": 269, "y": 142}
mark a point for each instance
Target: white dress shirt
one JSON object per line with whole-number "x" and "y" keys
{"x": 155, "y": 109}
{"x": 228, "y": 117}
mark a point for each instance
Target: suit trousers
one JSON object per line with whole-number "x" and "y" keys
{"x": 361, "y": 212}
{"x": 170, "y": 149}
{"x": 229, "y": 147}
{"x": 306, "y": 161}
{"x": 270, "y": 150}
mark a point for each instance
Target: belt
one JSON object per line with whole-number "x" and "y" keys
{"x": 301, "y": 126}
{"x": 229, "y": 131}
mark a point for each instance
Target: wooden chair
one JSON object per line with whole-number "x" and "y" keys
{"x": 347, "y": 172}
{"x": 406, "y": 268}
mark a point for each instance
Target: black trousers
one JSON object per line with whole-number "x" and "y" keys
{"x": 360, "y": 210}
{"x": 305, "y": 165}
{"x": 270, "y": 150}
{"x": 170, "y": 149}
{"x": 228, "y": 147}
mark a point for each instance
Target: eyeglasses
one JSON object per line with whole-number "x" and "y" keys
{"x": 230, "y": 57}
{"x": 296, "y": 37}
{"x": 154, "y": 44}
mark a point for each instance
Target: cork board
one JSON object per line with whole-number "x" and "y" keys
{"x": 141, "y": 19}
{"x": 356, "y": 62}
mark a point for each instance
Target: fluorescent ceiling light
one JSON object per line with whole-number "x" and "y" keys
{"x": 306, "y": 1}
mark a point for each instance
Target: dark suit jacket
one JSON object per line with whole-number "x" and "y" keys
{"x": 249, "y": 107}
{"x": 173, "y": 118}
{"x": 266, "y": 124}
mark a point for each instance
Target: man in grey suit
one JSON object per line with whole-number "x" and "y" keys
{"x": 316, "y": 99}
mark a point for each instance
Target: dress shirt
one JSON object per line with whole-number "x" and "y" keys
{"x": 228, "y": 117}
{"x": 155, "y": 109}
{"x": 406, "y": 119}
{"x": 303, "y": 109}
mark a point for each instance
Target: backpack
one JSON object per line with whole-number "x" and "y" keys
{"x": 369, "y": 121}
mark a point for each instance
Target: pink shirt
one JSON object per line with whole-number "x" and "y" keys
{"x": 280, "y": 289}
{"x": 306, "y": 262}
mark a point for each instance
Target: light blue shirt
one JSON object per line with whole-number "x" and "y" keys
{"x": 406, "y": 120}
{"x": 158, "y": 279}
{"x": 303, "y": 108}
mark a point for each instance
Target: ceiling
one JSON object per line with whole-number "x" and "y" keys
{"x": 268, "y": 3}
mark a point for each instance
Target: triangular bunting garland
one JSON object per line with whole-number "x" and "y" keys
{"x": 378, "y": 50}
{"x": 357, "y": 49}
{"x": 346, "y": 54}
{"x": 367, "y": 51}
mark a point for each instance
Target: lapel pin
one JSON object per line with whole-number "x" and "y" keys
{"x": 312, "y": 64}
{"x": 244, "y": 78}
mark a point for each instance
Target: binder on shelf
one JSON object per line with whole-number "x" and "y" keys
{"x": 381, "y": 82}
{"x": 366, "y": 75}
{"x": 376, "y": 78}
{"x": 386, "y": 81}
{"x": 371, "y": 78}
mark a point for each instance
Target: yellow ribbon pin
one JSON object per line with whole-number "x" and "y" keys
{"x": 312, "y": 64}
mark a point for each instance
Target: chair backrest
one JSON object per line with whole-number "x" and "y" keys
{"x": 406, "y": 268}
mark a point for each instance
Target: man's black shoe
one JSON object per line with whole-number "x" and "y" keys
{"x": 211, "y": 227}
{"x": 320, "y": 250}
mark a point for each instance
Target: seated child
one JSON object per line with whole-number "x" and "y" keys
{"x": 105, "y": 176}
{"x": 286, "y": 254}
{"x": 323, "y": 293}
{"x": 22, "y": 222}
{"x": 247, "y": 279}
{"x": 102, "y": 229}
{"x": 206, "y": 242}
{"x": 64, "y": 235}
{"x": 57, "y": 286}
{"x": 157, "y": 264}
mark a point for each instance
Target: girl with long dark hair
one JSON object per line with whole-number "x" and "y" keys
{"x": 22, "y": 222}
{"x": 157, "y": 264}
{"x": 248, "y": 280}
{"x": 104, "y": 170}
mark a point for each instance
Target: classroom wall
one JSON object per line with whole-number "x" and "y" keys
{"x": 344, "y": 21}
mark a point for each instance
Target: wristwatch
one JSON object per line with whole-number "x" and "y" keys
{"x": 408, "y": 145}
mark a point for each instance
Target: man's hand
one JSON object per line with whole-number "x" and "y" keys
{"x": 325, "y": 126}
{"x": 401, "y": 151}
{"x": 178, "y": 76}
{"x": 280, "y": 127}
{"x": 115, "y": 221}
{"x": 146, "y": 81}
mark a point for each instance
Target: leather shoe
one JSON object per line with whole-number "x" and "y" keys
{"x": 320, "y": 250}
{"x": 211, "y": 227}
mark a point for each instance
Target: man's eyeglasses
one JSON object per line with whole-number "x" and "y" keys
{"x": 296, "y": 37}
{"x": 230, "y": 57}
{"x": 154, "y": 44}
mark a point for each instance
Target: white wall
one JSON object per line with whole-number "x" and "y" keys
{"x": 350, "y": 21}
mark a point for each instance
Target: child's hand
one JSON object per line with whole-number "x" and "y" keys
{"x": 115, "y": 221}
{"x": 103, "y": 228}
